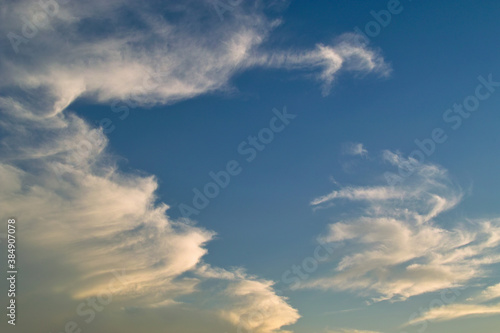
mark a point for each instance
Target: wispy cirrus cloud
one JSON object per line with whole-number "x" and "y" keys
{"x": 395, "y": 247}
{"x": 489, "y": 294}
{"x": 484, "y": 303}
{"x": 454, "y": 311}
{"x": 360, "y": 194}
{"x": 157, "y": 60}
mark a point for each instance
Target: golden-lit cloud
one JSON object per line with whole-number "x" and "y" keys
{"x": 396, "y": 249}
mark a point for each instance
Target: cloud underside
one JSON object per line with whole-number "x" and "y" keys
{"x": 79, "y": 211}
{"x": 396, "y": 249}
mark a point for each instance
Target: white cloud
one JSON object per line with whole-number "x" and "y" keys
{"x": 81, "y": 213}
{"x": 490, "y": 293}
{"x": 396, "y": 249}
{"x": 256, "y": 308}
{"x": 159, "y": 62}
{"x": 455, "y": 311}
{"x": 354, "y": 149}
{"x": 89, "y": 220}
{"x": 472, "y": 307}
{"x": 347, "y": 53}
{"x": 360, "y": 193}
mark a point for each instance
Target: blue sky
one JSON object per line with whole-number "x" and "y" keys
{"x": 112, "y": 113}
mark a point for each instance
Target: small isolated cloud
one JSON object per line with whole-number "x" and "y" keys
{"x": 354, "y": 149}
{"x": 396, "y": 249}
{"x": 359, "y": 194}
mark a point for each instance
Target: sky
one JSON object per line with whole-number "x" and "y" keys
{"x": 251, "y": 166}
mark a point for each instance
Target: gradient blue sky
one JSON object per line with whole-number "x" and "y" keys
{"x": 394, "y": 91}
